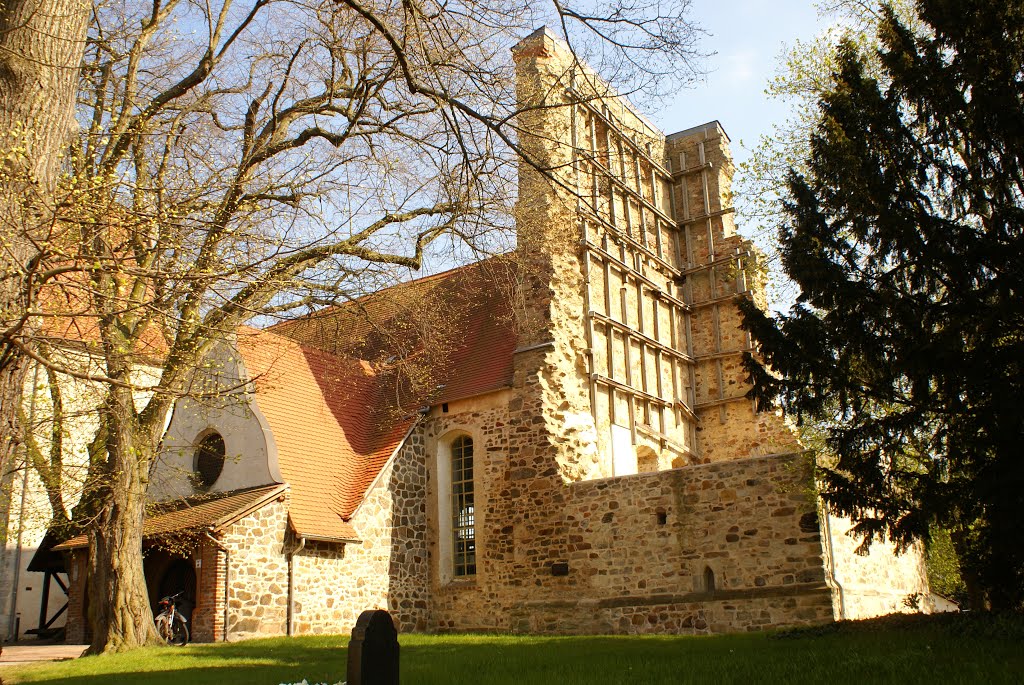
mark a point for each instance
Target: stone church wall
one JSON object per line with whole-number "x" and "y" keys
{"x": 258, "y": 580}
{"x": 387, "y": 569}
{"x": 635, "y": 550}
{"x": 879, "y": 582}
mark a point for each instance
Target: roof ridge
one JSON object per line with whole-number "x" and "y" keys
{"x": 402, "y": 284}
{"x": 303, "y": 347}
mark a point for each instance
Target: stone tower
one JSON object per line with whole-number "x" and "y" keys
{"x": 633, "y": 271}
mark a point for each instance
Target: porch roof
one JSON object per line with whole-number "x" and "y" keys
{"x": 210, "y": 512}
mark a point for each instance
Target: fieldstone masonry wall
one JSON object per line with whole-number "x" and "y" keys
{"x": 387, "y": 569}
{"x": 638, "y": 550}
{"x": 553, "y": 308}
{"x": 258, "y": 580}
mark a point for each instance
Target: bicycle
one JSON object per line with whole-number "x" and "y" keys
{"x": 170, "y": 624}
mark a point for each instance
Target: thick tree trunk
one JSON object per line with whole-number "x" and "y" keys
{"x": 41, "y": 47}
{"x": 119, "y": 611}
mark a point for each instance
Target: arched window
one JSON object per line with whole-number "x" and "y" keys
{"x": 709, "y": 579}
{"x": 463, "y": 518}
{"x": 209, "y": 460}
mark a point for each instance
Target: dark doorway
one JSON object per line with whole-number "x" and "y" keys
{"x": 180, "y": 576}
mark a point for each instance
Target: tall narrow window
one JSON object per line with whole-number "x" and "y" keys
{"x": 709, "y": 579}
{"x": 463, "y": 520}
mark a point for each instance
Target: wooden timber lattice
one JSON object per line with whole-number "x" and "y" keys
{"x": 688, "y": 222}
{"x": 633, "y": 243}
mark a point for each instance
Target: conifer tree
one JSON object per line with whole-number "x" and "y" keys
{"x": 905, "y": 238}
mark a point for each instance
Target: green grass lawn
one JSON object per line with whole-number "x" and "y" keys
{"x": 931, "y": 650}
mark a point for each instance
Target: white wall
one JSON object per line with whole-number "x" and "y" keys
{"x": 28, "y": 516}
{"x": 225, "y": 404}
{"x": 876, "y": 583}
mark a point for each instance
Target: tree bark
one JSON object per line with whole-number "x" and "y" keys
{"x": 119, "y": 611}
{"x": 41, "y": 47}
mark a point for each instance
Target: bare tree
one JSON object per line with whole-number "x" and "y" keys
{"x": 245, "y": 161}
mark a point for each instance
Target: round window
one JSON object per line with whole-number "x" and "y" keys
{"x": 209, "y": 461}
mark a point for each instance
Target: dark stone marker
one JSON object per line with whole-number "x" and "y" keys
{"x": 373, "y": 650}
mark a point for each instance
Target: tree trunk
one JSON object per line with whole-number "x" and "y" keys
{"x": 41, "y": 47}
{"x": 119, "y": 611}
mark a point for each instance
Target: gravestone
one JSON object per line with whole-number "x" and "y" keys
{"x": 373, "y": 650}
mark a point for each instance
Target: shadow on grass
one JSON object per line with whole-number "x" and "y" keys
{"x": 273, "y": 661}
{"x": 905, "y": 651}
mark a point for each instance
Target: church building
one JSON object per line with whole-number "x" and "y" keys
{"x": 557, "y": 440}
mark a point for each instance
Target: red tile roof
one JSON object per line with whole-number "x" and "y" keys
{"x": 341, "y": 388}
{"x": 201, "y": 512}
{"x": 320, "y": 411}
{"x": 445, "y": 337}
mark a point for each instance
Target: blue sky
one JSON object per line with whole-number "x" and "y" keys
{"x": 748, "y": 36}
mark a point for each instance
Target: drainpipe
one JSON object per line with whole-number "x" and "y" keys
{"x": 291, "y": 586}
{"x": 12, "y": 628}
{"x": 227, "y": 577}
{"x": 832, "y": 563}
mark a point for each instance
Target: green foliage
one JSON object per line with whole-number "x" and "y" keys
{"x": 805, "y": 71}
{"x": 905, "y": 236}
{"x": 962, "y": 649}
{"x": 944, "y": 575}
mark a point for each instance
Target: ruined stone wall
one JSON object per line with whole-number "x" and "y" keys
{"x": 718, "y": 267}
{"x": 552, "y": 308}
{"x": 636, "y": 549}
{"x": 605, "y": 363}
{"x": 600, "y": 244}
{"x": 386, "y": 570}
{"x": 633, "y": 271}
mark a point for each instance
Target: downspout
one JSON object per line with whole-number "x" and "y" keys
{"x": 832, "y": 563}
{"x": 291, "y": 586}
{"x": 227, "y": 577}
{"x": 12, "y": 623}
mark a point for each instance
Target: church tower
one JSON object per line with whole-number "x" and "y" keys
{"x": 632, "y": 271}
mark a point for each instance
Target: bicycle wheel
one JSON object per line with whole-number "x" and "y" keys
{"x": 178, "y": 631}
